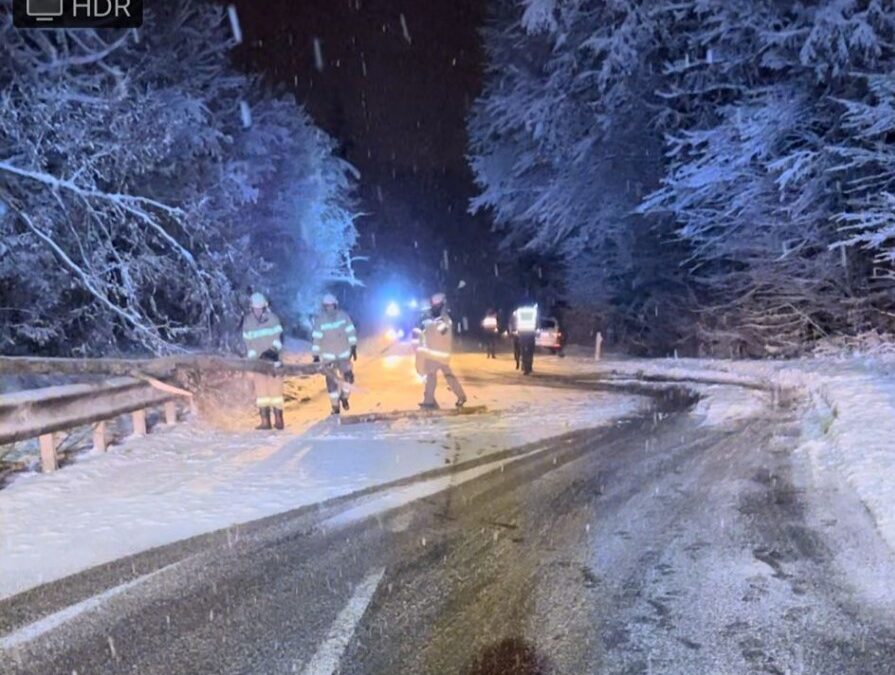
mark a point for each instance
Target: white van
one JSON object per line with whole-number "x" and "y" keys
{"x": 549, "y": 336}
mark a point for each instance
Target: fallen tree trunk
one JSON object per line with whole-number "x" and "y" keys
{"x": 34, "y": 365}
{"x": 161, "y": 368}
{"x": 366, "y": 418}
{"x": 238, "y": 365}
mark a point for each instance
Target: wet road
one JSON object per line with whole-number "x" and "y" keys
{"x": 653, "y": 546}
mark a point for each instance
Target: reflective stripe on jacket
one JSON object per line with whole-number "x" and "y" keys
{"x": 261, "y": 334}
{"x": 333, "y": 336}
{"x": 436, "y": 341}
{"x": 526, "y": 319}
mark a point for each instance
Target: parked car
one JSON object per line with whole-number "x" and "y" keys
{"x": 549, "y": 336}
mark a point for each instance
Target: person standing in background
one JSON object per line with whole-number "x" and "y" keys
{"x": 526, "y": 330}
{"x": 490, "y": 327}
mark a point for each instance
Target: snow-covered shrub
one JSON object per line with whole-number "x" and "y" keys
{"x": 869, "y": 344}
{"x": 138, "y": 204}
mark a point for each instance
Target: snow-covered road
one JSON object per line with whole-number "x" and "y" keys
{"x": 196, "y": 478}
{"x": 671, "y": 543}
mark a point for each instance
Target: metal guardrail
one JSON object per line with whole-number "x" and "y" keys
{"x": 40, "y": 413}
{"x": 162, "y": 368}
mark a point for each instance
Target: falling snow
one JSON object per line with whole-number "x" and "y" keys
{"x": 245, "y": 114}
{"x": 318, "y": 55}
{"x": 405, "y": 30}
{"x": 234, "y": 23}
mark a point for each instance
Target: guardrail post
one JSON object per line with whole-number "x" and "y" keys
{"x": 139, "y": 418}
{"x": 170, "y": 412}
{"x": 99, "y": 437}
{"x": 48, "y": 462}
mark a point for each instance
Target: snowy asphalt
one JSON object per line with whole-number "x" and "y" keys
{"x": 654, "y": 546}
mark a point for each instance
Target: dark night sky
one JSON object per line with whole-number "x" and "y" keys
{"x": 402, "y": 123}
{"x": 407, "y": 112}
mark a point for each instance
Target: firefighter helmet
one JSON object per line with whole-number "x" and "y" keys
{"x": 259, "y": 301}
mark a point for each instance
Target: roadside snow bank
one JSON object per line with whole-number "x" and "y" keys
{"x": 856, "y": 414}
{"x": 849, "y": 426}
{"x": 721, "y": 405}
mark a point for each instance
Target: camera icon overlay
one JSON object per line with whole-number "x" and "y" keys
{"x": 77, "y": 13}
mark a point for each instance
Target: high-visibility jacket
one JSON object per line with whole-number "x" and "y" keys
{"x": 262, "y": 334}
{"x": 526, "y": 319}
{"x": 436, "y": 338}
{"x": 489, "y": 323}
{"x": 334, "y": 335}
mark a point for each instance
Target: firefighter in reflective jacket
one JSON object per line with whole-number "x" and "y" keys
{"x": 335, "y": 344}
{"x": 491, "y": 330}
{"x": 525, "y": 321}
{"x": 435, "y": 339}
{"x": 263, "y": 336}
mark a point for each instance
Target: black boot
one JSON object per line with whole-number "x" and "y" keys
{"x": 460, "y": 402}
{"x": 345, "y": 403}
{"x": 335, "y": 410}
{"x": 429, "y": 406}
{"x": 265, "y": 419}
{"x": 278, "y": 419}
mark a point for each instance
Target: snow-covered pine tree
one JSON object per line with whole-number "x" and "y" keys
{"x": 773, "y": 120}
{"x": 137, "y": 204}
{"x": 866, "y": 171}
{"x": 562, "y": 149}
{"x": 752, "y": 179}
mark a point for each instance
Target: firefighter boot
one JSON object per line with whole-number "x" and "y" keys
{"x": 265, "y": 419}
{"x": 278, "y": 419}
{"x": 335, "y": 410}
{"x": 345, "y": 403}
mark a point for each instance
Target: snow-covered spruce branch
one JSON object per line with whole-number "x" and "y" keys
{"x": 124, "y": 201}
{"x": 347, "y": 275}
{"x": 120, "y": 222}
{"x": 114, "y": 197}
{"x": 89, "y": 57}
{"x": 154, "y": 339}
